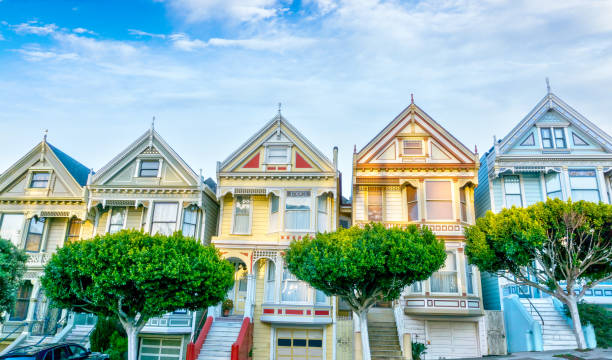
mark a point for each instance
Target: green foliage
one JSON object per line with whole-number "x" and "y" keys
{"x": 366, "y": 265}
{"x": 12, "y": 267}
{"x": 418, "y": 349}
{"x": 600, "y": 318}
{"x": 558, "y": 234}
{"x": 100, "y": 338}
{"x": 228, "y": 304}
{"x": 131, "y": 273}
{"x": 118, "y": 347}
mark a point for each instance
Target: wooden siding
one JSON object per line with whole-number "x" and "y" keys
{"x": 533, "y": 188}
{"x": 56, "y": 232}
{"x": 261, "y": 331}
{"x": 211, "y": 207}
{"x": 490, "y": 291}
{"x": 359, "y": 199}
{"x": 497, "y": 194}
{"x": 133, "y": 218}
{"x": 101, "y": 228}
{"x": 482, "y": 197}
{"x": 393, "y": 205}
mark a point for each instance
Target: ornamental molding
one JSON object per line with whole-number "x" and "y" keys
{"x": 271, "y": 176}
{"x": 409, "y": 174}
{"x": 143, "y": 190}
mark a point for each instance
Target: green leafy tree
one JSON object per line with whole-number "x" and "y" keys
{"x": 134, "y": 276}
{"x": 366, "y": 265}
{"x": 545, "y": 244}
{"x": 12, "y": 267}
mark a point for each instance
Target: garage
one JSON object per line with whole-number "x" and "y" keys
{"x": 299, "y": 344}
{"x": 449, "y": 340}
{"x": 160, "y": 348}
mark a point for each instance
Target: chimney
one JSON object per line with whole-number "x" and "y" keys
{"x": 335, "y": 158}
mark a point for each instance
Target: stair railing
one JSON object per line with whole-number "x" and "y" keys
{"x": 193, "y": 349}
{"x": 14, "y": 331}
{"x": 241, "y": 349}
{"x": 58, "y": 325}
{"x": 531, "y": 305}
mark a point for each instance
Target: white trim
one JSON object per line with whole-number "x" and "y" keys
{"x": 251, "y": 201}
{"x": 455, "y": 253}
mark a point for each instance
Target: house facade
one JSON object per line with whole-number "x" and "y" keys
{"x": 42, "y": 206}
{"x": 416, "y": 172}
{"x": 553, "y": 152}
{"x": 276, "y": 188}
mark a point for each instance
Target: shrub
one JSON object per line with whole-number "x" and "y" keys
{"x": 600, "y": 318}
{"x": 228, "y": 304}
{"x": 100, "y": 338}
{"x": 118, "y": 347}
{"x": 418, "y": 349}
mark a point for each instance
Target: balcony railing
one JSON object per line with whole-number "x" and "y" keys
{"x": 177, "y": 322}
{"x": 296, "y": 314}
{"x": 38, "y": 259}
{"x": 438, "y": 228}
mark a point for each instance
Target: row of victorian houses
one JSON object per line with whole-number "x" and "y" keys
{"x": 278, "y": 187}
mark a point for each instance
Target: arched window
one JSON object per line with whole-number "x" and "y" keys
{"x": 20, "y": 311}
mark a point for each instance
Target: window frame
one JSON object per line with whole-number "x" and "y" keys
{"x": 153, "y": 222}
{"x": 110, "y": 219}
{"x": 47, "y": 181}
{"x": 287, "y": 159}
{"x": 29, "y": 231}
{"x": 20, "y": 227}
{"x": 552, "y": 137}
{"x": 473, "y": 283}
{"x": 381, "y": 205}
{"x": 322, "y": 198}
{"x": 270, "y": 285}
{"x": 546, "y": 189}
{"x": 309, "y": 289}
{"x": 414, "y": 141}
{"x": 520, "y": 189}
{"x": 456, "y": 271}
{"x": 22, "y": 299}
{"x": 463, "y": 204}
{"x": 414, "y": 202}
{"x": 571, "y": 187}
{"x": 274, "y": 216}
{"x": 70, "y": 238}
{"x": 191, "y": 209}
{"x": 452, "y": 200}
{"x": 140, "y": 168}
{"x": 310, "y": 210}
{"x": 233, "y": 229}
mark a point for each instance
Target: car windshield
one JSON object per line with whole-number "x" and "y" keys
{"x": 21, "y": 357}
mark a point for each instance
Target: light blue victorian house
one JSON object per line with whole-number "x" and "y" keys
{"x": 554, "y": 152}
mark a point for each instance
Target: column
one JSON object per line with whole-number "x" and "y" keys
{"x": 250, "y": 296}
{"x": 601, "y": 184}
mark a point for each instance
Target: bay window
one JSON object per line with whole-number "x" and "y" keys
{"x": 413, "y": 203}
{"x": 439, "y": 200}
{"x": 416, "y": 287}
{"x": 375, "y": 204}
{"x": 322, "y": 213}
{"x": 320, "y": 297}
{"x": 117, "y": 220}
{"x": 512, "y": 191}
{"x": 242, "y": 215}
{"x": 553, "y": 185}
{"x": 270, "y": 281}
{"x": 297, "y": 210}
{"x": 11, "y": 226}
{"x": 190, "y": 221}
{"x": 584, "y": 185}
{"x": 164, "y": 218}
{"x": 274, "y": 212}
{"x": 292, "y": 289}
{"x": 35, "y": 234}
{"x": 445, "y": 279}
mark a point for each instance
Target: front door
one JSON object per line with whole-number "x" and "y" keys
{"x": 239, "y": 292}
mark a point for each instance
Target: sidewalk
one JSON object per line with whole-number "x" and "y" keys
{"x": 595, "y": 354}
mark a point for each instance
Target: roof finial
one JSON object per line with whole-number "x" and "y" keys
{"x": 547, "y": 86}
{"x": 279, "y": 109}
{"x": 411, "y": 98}
{"x": 153, "y": 124}
{"x": 355, "y": 149}
{"x": 45, "y": 135}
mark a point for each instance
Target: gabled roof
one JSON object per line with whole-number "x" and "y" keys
{"x": 275, "y": 122}
{"x": 146, "y": 138}
{"x": 414, "y": 109}
{"x": 78, "y": 171}
{"x": 548, "y": 102}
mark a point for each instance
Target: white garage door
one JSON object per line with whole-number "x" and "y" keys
{"x": 450, "y": 340}
{"x": 299, "y": 344}
{"x": 160, "y": 349}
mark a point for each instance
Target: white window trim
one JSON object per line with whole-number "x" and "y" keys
{"x": 182, "y": 219}
{"x": 139, "y": 163}
{"x": 165, "y": 201}
{"x": 327, "y": 213}
{"x": 232, "y": 232}
{"x": 401, "y": 147}
{"x": 553, "y": 138}
{"x": 288, "y": 157}
{"x": 31, "y": 175}
{"x": 274, "y": 283}
{"x": 312, "y": 208}
{"x": 405, "y": 202}
{"x": 453, "y": 205}
{"x": 110, "y": 214}
{"x": 503, "y": 184}
{"x": 278, "y": 214}
{"x": 457, "y": 275}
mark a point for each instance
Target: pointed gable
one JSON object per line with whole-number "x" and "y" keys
{"x": 147, "y": 162}
{"x": 45, "y": 171}
{"x": 414, "y": 137}
{"x": 277, "y": 147}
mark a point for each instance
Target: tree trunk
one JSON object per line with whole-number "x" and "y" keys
{"x": 132, "y": 337}
{"x": 365, "y": 339}
{"x": 573, "y": 309}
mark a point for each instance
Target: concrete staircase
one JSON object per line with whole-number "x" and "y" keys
{"x": 79, "y": 334}
{"x": 382, "y": 331}
{"x": 556, "y": 333}
{"x": 222, "y": 334}
{"x": 34, "y": 340}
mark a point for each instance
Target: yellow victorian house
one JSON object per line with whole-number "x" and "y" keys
{"x": 416, "y": 172}
{"x": 276, "y": 188}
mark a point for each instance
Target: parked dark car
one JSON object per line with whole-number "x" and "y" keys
{"x": 62, "y": 351}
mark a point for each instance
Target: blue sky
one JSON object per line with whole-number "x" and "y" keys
{"x": 213, "y": 71}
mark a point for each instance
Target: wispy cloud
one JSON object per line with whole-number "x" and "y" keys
{"x": 145, "y": 34}
{"x": 81, "y": 30}
{"x": 33, "y": 27}
{"x": 273, "y": 43}
{"x": 241, "y": 10}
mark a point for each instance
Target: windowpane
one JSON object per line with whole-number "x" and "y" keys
{"x": 34, "y": 236}
{"x": 469, "y": 278}
{"x": 445, "y": 280}
{"x": 463, "y": 203}
{"x": 413, "y": 147}
{"x": 416, "y": 287}
{"x": 11, "y": 226}
{"x": 278, "y": 154}
{"x": 439, "y": 210}
{"x": 513, "y": 200}
{"x": 439, "y": 200}
{"x": 512, "y": 189}
{"x": 20, "y": 310}
{"x": 292, "y": 289}
{"x": 270, "y": 279}
{"x": 413, "y": 205}
{"x": 242, "y": 215}
{"x": 584, "y": 185}
{"x": 274, "y": 202}
{"x": 560, "y": 138}
{"x": 40, "y": 180}
{"x": 190, "y": 221}
{"x": 274, "y": 212}
{"x": 149, "y": 168}
{"x": 74, "y": 230}
{"x": 546, "y": 138}
{"x": 164, "y": 218}
{"x": 438, "y": 190}
{"x": 117, "y": 220}
{"x": 322, "y": 213}
{"x": 320, "y": 297}
{"x": 553, "y": 185}
{"x": 297, "y": 210}
{"x": 374, "y": 204}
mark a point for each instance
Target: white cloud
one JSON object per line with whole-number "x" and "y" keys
{"x": 1, "y": 37}
{"x": 241, "y": 10}
{"x": 40, "y": 55}
{"x": 275, "y": 43}
{"x": 183, "y": 42}
{"x": 146, "y": 34}
{"x": 32, "y": 27}
{"x": 81, "y": 30}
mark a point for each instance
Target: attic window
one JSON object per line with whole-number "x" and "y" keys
{"x": 149, "y": 168}
{"x": 529, "y": 141}
{"x": 578, "y": 141}
{"x": 278, "y": 154}
{"x": 40, "y": 180}
{"x": 412, "y": 147}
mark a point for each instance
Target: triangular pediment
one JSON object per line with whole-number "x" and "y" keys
{"x": 414, "y": 137}
{"x": 551, "y": 112}
{"x": 55, "y": 169}
{"x": 277, "y": 147}
{"x": 147, "y": 162}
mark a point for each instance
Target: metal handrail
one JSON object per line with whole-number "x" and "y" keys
{"x": 57, "y": 326}
{"x": 14, "y": 330}
{"x": 531, "y": 304}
